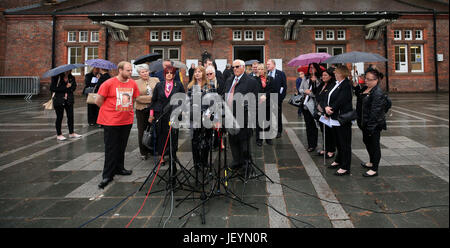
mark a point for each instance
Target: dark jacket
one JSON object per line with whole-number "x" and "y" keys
{"x": 88, "y": 80}
{"x": 370, "y": 109}
{"x": 101, "y": 80}
{"x": 59, "y": 86}
{"x": 341, "y": 99}
{"x": 159, "y": 99}
{"x": 267, "y": 90}
{"x": 278, "y": 82}
{"x": 322, "y": 94}
{"x": 227, "y": 73}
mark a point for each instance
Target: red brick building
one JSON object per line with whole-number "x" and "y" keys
{"x": 38, "y": 35}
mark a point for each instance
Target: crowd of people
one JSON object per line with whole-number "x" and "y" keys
{"x": 326, "y": 99}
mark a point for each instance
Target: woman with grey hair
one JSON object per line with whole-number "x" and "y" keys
{"x": 146, "y": 85}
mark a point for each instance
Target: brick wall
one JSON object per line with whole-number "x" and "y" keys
{"x": 9, "y": 4}
{"x": 2, "y": 42}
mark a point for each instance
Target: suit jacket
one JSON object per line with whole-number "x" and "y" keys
{"x": 278, "y": 82}
{"x": 245, "y": 85}
{"x": 341, "y": 99}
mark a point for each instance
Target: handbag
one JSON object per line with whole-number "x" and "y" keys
{"x": 148, "y": 137}
{"x": 296, "y": 100}
{"x": 88, "y": 90}
{"x": 347, "y": 117}
{"x": 49, "y": 104}
{"x": 91, "y": 98}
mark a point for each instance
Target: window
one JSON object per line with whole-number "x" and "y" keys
{"x": 397, "y": 35}
{"x": 260, "y": 35}
{"x": 90, "y": 53}
{"x": 319, "y": 35}
{"x": 337, "y": 51}
{"x": 72, "y": 36}
{"x": 248, "y": 35}
{"x": 74, "y": 57}
{"x": 416, "y": 55}
{"x": 165, "y": 36}
{"x": 419, "y": 35}
{"x": 322, "y": 49}
{"x": 341, "y": 34}
{"x": 330, "y": 34}
{"x": 174, "y": 53}
{"x": 83, "y": 36}
{"x": 401, "y": 61}
{"x": 158, "y": 50}
{"x": 408, "y": 35}
{"x": 95, "y": 36}
{"x": 177, "y": 35}
{"x": 237, "y": 35}
{"x": 154, "y": 36}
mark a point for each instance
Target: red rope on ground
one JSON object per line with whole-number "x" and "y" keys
{"x": 156, "y": 174}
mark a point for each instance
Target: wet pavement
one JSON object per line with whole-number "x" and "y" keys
{"x": 48, "y": 183}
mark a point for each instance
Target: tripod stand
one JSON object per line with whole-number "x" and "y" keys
{"x": 215, "y": 189}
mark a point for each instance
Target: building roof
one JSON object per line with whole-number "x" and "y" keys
{"x": 98, "y": 7}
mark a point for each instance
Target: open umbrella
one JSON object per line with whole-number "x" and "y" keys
{"x": 101, "y": 63}
{"x": 178, "y": 64}
{"x": 355, "y": 57}
{"x": 250, "y": 62}
{"x": 306, "y": 59}
{"x": 304, "y": 68}
{"x": 60, "y": 69}
{"x": 147, "y": 58}
{"x": 156, "y": 66}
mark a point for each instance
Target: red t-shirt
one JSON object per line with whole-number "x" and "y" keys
{"x": 117, "y": 109}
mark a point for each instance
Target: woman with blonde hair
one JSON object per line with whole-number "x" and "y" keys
{"x": 265, "y": 87}
{"x": 199, "y": 78}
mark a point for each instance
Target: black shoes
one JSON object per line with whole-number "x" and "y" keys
{"x": 124, "y": 172}
{"x": 365, "y": 174}
{"x": 364, "y": 165}
{"x": 104, "y": 182}
{"x": 278, "y": 135}
{"x": 310, "y": 149}
{"x": 259, "y": 142}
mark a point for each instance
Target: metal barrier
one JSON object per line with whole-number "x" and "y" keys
{"x": 13, "y": 86}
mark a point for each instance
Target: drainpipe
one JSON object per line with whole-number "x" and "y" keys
{"x": 106, "y": 43}
{"x": 386, "y": 64}
{"x": 53, "y": 40}
{"x": 436, "y": 73}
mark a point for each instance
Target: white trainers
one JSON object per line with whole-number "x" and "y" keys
{"x": 61, "y": 137}
{"x": 74, "y": 136}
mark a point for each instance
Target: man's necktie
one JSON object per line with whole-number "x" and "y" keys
{"x": 230, "y": 96}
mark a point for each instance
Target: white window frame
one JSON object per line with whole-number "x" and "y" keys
{"x": 418, "y": 32}
{"x": 154, "y": 50}
{"x": 405, "y": 66}
{"x": 326, "y": 34}
{"x": 397, "y": 33}
{"x": 260, "y": 32}
{"x": 316, "y": 32}
{"x": 410, "y": 34}
{"x": 237, "y": 35}
{"x": 73, "y": 35}
{"x": 87, "y": 36}
{"x": 332, "y": 50}
{"x": 175, "y": 35}
{"x": 317, "y": 49}
{"x": 152, "y": 33}
{"x": 168, "y": 53}
{"x": 248, "y": 32}
{"x": 163, "y": 33}
{"x": 421, "y": 56}
{"x": 95, "y": 34}
{"x": 343, "y": 33}
{"x": 69, "y": 56}
{"x": 87, "y": 68}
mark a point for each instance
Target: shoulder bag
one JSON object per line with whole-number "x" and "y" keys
{"x": 49, "y": 104}
{"x": 347, "y": 117}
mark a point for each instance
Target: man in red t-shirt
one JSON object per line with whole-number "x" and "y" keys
{"x": 115, "y": 99}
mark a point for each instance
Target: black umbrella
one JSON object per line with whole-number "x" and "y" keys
{"x": 147, "y": 58}
{"x": 156, "y": 66}
{"x": 250, "y": 62}
{"x": 60, "y": 69}
{"x": 354, "y": 57}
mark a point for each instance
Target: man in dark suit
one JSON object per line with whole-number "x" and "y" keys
{"x": 228, "y": 72}
{"x": 280, "y": 86}
{"x": 239, "y": 141}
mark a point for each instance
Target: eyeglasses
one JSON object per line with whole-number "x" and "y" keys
{"x": 209, "y": 74}
{"x": 235, "y": 67}
{"x": 169, "y": 72}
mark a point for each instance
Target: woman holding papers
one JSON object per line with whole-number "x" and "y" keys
{"x": 339, "y": 102}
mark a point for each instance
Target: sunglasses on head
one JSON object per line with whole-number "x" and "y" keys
{"x": 236, "y": 66}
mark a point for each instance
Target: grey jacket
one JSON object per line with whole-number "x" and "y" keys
{"x": 311, "y": 100}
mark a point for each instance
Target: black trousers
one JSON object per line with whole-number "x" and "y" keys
{"x": 343, "y": 137}
{"x": 59, "y": 109}
{"x": 240, "y": 149}
{"x": 92, "y": 112}
{"x": 280, "y": 116}
{"x": 201, "y": 145}
{"x": 330, "y": 143}
{"x": 142, "y": 124}
{"x": 311, "y": 129}
{"x": 116, "y": 140}
{"x": 372, "y": 142}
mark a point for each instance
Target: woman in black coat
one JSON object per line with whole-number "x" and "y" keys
{"x": 328, "y": 82}
{"x": 339, "y": 102}
{"x": 90, "y": 82}
{"x": 63, "y": 85}
{"x": 371, "y": 118}
{"x": 265, "y": 87}
{"x": 160, "y": 109}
